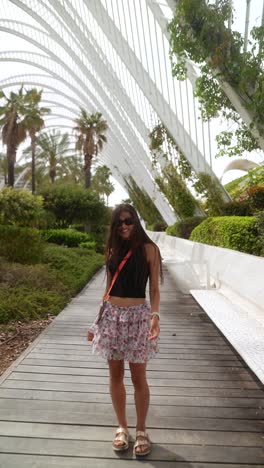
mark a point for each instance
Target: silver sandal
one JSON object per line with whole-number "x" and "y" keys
{"x": 122, "y": 434}
{"x": 139, "y": 443}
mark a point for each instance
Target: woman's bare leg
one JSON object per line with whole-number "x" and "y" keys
{"x": 141, "y": 388}
{"x": 118, "y": 392}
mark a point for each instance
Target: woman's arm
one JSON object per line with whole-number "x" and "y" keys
{"x": 108, "y": 281}
{"x": 153, "y": 258}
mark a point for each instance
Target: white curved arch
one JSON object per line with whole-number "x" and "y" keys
{"x": 93, "y": 79}
{"x": 241, "y": 165}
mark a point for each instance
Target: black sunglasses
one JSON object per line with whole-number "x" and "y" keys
{"x": 126, "y": 221}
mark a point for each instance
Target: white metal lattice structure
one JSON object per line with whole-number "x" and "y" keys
{"x": 110, "y": 56}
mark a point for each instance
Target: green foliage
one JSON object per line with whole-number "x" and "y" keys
{"x": 235, "y": 143}
{"x": 255, "y": 198}
{"x": 260, "y": 228}
{"x": 68, "y": 237}
{"x": 28, "y": 304}
{"x": 20, "y": 207}
{"x": 208, "y": 188}
{"x": 143, "y": 203}
{"x": 101, "y": 182}
{"x": 91, "y": 138}
{"x": 221, "y": 59}
{"x": 254, "y": 177}
{"x": 88, "y": 245}
{"x": 53, "y": 160}
{"x": 174, "y": 173}
{"x": 14, "y": 275}
{"x": 157, "y": 227}
{"x": 175, "y": 190}
{"x": 20, "y": 244}
{"x": 236, "y": 208}
{"x": 33, "y": 292}
{"x": 231, "y": 232}
{"x": 74, "y": 204}
{"x": 76, "y": 265}
{"x": 184, "y": 227}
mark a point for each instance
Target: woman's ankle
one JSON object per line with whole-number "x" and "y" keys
{"x": 124, "y": 425}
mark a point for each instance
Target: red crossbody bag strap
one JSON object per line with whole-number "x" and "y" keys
{"x": 119, "y": 268}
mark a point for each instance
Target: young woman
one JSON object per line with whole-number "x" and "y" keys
{"x": 129, "y": 327}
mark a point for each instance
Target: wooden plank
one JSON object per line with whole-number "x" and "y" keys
{"x": 166, "y": 452}
{"x": 104, "y": 388}
{"x": 94, "y": 360}
{"x": 226, "y": 374}
{"x": 51, "y": 431}
{"x": 175, "y": 366}
{"x": 157, "y": 382}
{"x": 71, "y": 350}
{"x": 108, "y": 419}
{"x": 96, "y": 397}
{"x": 38, "y": 461}
{"x": 156, "y": 410}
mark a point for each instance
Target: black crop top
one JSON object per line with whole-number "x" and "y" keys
{"x": 132, "y": 280}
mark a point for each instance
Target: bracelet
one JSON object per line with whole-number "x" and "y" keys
{"x": 155, "y": 314}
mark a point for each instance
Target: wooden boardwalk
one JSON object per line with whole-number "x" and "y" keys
{"x": 206, "y": 406}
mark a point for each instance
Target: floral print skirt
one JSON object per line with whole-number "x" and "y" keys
{"x": 122, "y": 333}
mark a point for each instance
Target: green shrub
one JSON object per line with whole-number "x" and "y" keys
{"x": 20, "y": 207}
{"x": 160, "y": 227}
{"x": 260, "y": 227}
{"x": 34, "y": 291}
{"x": 28, "y": 304}
{"x": 184, "y": 227}
{"x": 157, "y": 227}
{"x": 237, "y": 208}
{"x": 231, "y": 232}
{"x": 22, "y": 245}
{"x": 76, "y": 265}
{"x": 68, "y": 237}
{"x": 38, "y": 276}
{"x": 255, "y": 197}
{"x": 254, "y": 177}
{"x": 74, "y": 204}
{"x": 88, "y": 245}
{"x": 209, "y": 188}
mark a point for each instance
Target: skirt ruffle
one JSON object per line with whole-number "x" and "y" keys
{"x": 122, "y": 333}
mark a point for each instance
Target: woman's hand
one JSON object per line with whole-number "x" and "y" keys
{"x": 154, "y": 329}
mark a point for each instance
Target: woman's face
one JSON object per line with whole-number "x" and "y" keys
{"x": 125, "y": 225}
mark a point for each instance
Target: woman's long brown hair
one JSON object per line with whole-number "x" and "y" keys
{"x": 114, "y": 241}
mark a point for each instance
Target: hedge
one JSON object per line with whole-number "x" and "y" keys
{"x": 22, "y": 245}
{"x": 76, "y": 266}
{"x": 231, "y": 232}
{"x": 68, "y": 237}
{"x": 184, "y": 227}
{"x": 34, "y": 291}
{"x": 237, "y": 208}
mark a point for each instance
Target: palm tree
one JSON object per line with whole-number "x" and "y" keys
{"x": 51, "y": 150}
{"x": 101, "y": 182}
{"x": 34, "y": 123}
{"x": 71, "y": 169}
{"x": 14, "y": 130}
{"x": 90, "y": 138}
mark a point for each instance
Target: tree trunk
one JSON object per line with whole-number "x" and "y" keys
{"x": 33, "y": 162}
{"x": 52, "y": 174}
{"x": 87, "y": 169}
{"x": 11, "y": 157}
